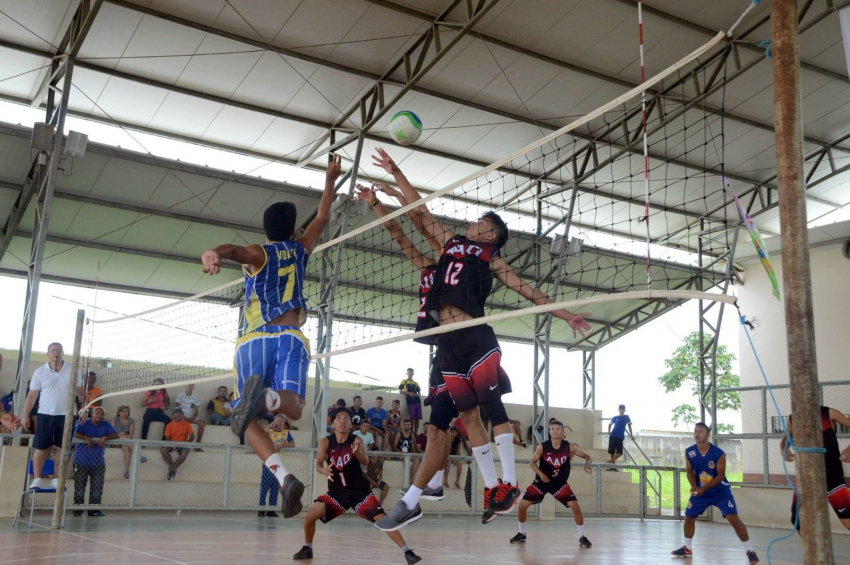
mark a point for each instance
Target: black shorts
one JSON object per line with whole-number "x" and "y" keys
{"x": 538, "y": 490}
{"x": 470, "y": 360}
{"x": 364, "y": 503}
{"x": 615, "y": 445}
{"x": 443, "y": 409}
{"x": 48, "y": 432}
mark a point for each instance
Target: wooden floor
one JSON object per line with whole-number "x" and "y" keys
{"x": 243, "y": 539}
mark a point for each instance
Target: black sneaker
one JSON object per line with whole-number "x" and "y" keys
{"x": 398, "y": 517}
{"x": 272, "y": 515}
{"x": 584, "y": 542}
{"x": 96, "y": 513}
{"x": 751, "y": 555}
{"x": 504, "y": 498}
{"x": 261, "y": 514}
{"x": 78, "y": 513}
{"x": 411, "y": 557}
{"x": 519, "y": 538}
{"x": 251, "y": 405}
{"x": 305, "y": 553}
{"x": 292, "y": 490}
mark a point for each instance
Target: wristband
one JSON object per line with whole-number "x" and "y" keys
{"x": 374, "y": 203}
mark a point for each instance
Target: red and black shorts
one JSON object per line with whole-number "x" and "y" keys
{"x": 837, "y": 494}
{"x": 470, "y": 359}
{"x": 538, "y": 490}
{"x": 364, "y": 503}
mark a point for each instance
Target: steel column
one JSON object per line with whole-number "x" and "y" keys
{"x": 588, "y": 378}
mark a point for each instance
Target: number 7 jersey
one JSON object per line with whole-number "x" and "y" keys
{"x": 278, "y": 286}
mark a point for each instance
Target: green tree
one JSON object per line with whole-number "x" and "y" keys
{"x": 684, "y": 371}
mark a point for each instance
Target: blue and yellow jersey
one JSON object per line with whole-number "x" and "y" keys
{"x": 278, "y": 286}
{"x": 705, "y": 466}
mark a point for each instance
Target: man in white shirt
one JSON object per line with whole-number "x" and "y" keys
{"x": 190, "y": 403}
{"x": 51, "y": 380}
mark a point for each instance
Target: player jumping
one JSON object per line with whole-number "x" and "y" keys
{"x": 470, "y": 358}
{"x": 348, "y": 488}
{"x": 272, "y": 356}
{"x": 552, "y": 475}
{"x": 708, "y": 462}
{"x": 836, "y": 490}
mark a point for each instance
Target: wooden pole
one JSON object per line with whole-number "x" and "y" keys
{"x": 70, "y": 411}
{"x": 796, "y": 275}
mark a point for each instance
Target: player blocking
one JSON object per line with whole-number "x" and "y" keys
{"x": 551, "y": 464}
{"x": 273, "y": 356}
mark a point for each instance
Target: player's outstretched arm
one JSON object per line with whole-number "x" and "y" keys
{"x": 438, "y": 231}
{"x": 416, "y": 257}
{"x": 579, "y": 453}
{"x": 502, "y": 271}
{"x": 252, "y": 256}
{"x": 314, "y": 231}
{"x": 538, "y": 454}
{"x": 418, "y": 216}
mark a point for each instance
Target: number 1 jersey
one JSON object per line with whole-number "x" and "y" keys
{"x": 278, "y": 286}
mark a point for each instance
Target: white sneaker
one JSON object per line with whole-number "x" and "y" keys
{"x": 36, "y": 483}
{"x": 54, "y": 483}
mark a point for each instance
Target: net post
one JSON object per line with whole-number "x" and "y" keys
{"x": 70, "y": 411}
{"x": 134, "y": 473}
{"x": 228, "y": 458}
{"x": 799, "y": 314}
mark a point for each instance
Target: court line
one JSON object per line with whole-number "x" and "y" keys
{"x": 113, "y": 545}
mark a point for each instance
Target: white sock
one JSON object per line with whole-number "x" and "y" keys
{"x": 688, "y": 542}
{"x": 505, "y": 445}
{"x": 484, "y": 457}
{"x": 437, "y": 480}
{"x": 411, "y": 498}
{"x": 580, "y": 531}
{"x": 748, "y": 545}
{"x": 272, "y": 401}
{"x": 275, "y": 465}
{"x": 521, "y": 527}
{"x": 310, "y": 544}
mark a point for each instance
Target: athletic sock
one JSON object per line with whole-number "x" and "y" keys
{"x": 411, "y": 497}
{"x": 404, "y": 548}
{"x": 437, "y": 480}
{"x": 275, "y": 464}
{"x": 484, "y": 457}
{"x": 748, "y": 545}
{"x": 688, "y": 542}
{"x": 521, "y": 527}
{"x": 272, "y": 401}
{"x": 505, "y": 445}
{"x": 308, "y": 544}
{"x": 580, "y": 531}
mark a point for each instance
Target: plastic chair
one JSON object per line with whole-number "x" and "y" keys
{"x": 46, "y": 470}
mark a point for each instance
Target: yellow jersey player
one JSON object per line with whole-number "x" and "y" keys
{"x": 272, "y": 356}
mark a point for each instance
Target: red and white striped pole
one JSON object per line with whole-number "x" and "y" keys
{"x": 645, "y": 146}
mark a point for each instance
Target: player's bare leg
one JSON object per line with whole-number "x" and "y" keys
{"x": 743, "y": 535}
{"x": 579, "y": 518}
{"x": 291, "y": 488}
{"x": 436, "y": 452}
{"x": 522, "y": 516}
{"x": 315, "y": 513}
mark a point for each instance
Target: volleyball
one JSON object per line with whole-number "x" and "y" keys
{"x": 405, "y": 127}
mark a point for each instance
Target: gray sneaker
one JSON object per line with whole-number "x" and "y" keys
{"x": 429, "y": 493}
{"x": 398, "y": 517}
{"x": 251, "y": 405}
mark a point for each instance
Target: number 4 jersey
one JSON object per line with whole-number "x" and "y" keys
{"x": 278, "y": 286}
{"x": 463, "y": 277}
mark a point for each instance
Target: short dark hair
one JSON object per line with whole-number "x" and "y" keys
{"x": 552, "y": 421}
{"x": 410, "y": 368}
{"x": 379, "y": 398}
{"x": 502, "y": 231}
{"x": 556, "y": 423}
{"x": 621, "y": 407}
{"x": 396, "y": 401}
{"x": 337, "y": 411}
{"x": 356, "y": 397}
{"x": 176, "y": 410}
{"x": 279, "y": 221}
{"x": 704, "y": 425}
{"x": 341, "y": 403}
{"x": 407, "y": 421}
{"x": 221, "y": 387}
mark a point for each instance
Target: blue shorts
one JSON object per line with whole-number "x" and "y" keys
{"x": 721, "y": 498}
{"x": 279, "y": 354}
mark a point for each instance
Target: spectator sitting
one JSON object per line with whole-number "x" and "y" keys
{"x": 376, "y": 416}
{"x": 516, "y": 429}
{"x": 219, "y": 408}
{"x": 392, "y": 424}
{"x": 92, "y": 391}
{"x": 358, "y": 414}
{"x": 269, "y": 485}
{"x": 190, "y": 404}
{"x": 422, "y": 439}
{"x": 89, "y": 462}
{"x": 338, "y": 404}
{"x": 454, "y": 449}
{"x": 178, "y": 430}
{"x": 287, "y": 423}
{"x": 366, "y": 436}
{"x": 125, "y": 427}
{"x": 9, "y": 423}
{"x": 155, "y": 402}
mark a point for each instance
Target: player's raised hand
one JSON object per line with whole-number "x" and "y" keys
{"x": 354, "y": 447}
{"x": 366, "y": 194}
{"x": 212, "y": 262}
{"x": 388, "y": 190}
{"x": 383, "y": 160}
{"x": 334, "y": 169}
{"x": 326, "y": 471}
{"x": 578, "y": 323}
